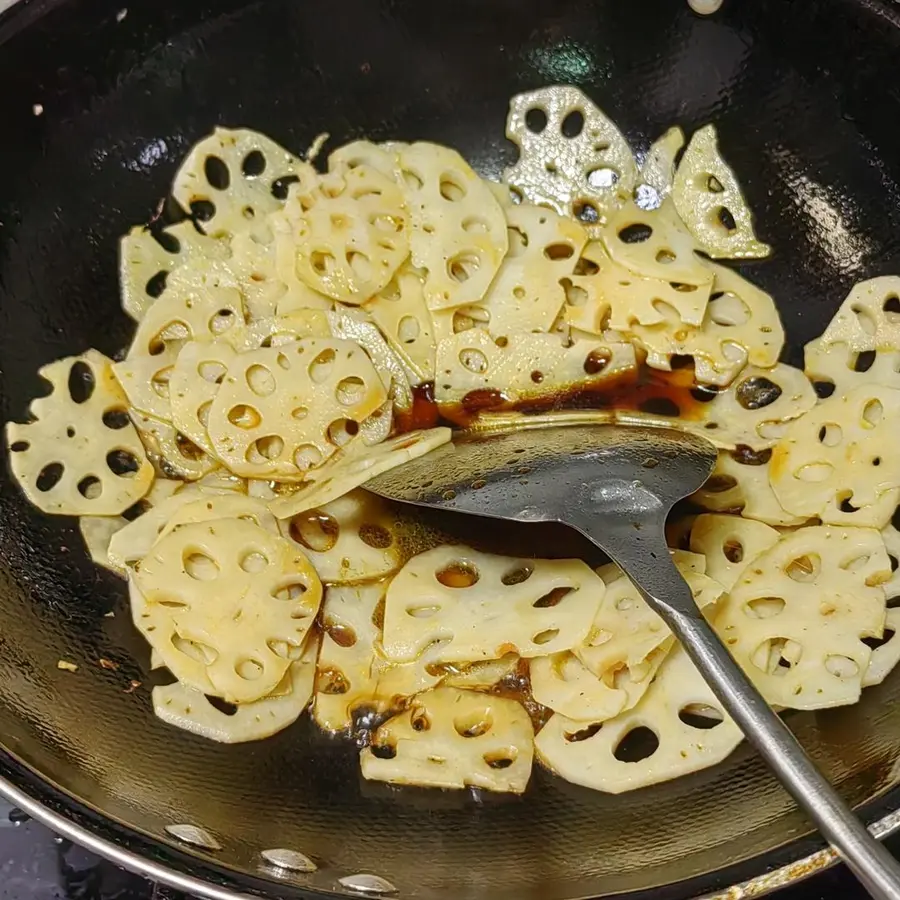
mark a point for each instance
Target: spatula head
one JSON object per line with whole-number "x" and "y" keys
{"x": 556, "y": 473}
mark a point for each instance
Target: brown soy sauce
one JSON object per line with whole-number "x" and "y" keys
{"x": 672, "y": 394}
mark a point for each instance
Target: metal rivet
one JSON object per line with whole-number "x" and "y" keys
{"x": 367, "y": 884}
{"x": 293, "y": 860}
{"x": 191, "y": 834}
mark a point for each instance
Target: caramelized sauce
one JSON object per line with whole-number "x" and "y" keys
{"x": 650, "y": 391}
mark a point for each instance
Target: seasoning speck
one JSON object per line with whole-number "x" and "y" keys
{"x": 66, "y": 666}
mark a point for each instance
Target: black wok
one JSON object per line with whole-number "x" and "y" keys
{"x": 97, "y": 106}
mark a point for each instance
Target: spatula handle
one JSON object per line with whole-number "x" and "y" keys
{"x": 872, "y": 864}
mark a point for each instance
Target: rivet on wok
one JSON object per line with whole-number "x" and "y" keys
{"x": 191, "y": 834}
{"x": 292, "y": 860}
{"x": 367, "y": 884}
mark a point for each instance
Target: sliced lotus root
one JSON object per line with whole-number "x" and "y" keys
{"x": 354, "y": 325}
{"x": 173, "y": 454}
{"x": 350, "y": 540}
{"x": 450, "y": 738}
{"x": 625, "y": 646}
{"x": 526, "y": 294}
{"x": 351, "y": 233}
{"x": 355, "y": 466}
{"x": 740, "y": 483}
{"x": 241, "y": 595}
{"x": 146, "y": 260}
{"x": 529, "y": 365}
{"x": 571, "y": 156}
{"x": 179, "y": 316}
{"x": 654, "y": 243}
{"x": 838, "y": 461}
{"x": 891, "y": 537}
{"x": 709, "y": 200}
{"x": 381, "y": 157}
{"x": 887, "y": 654}
{"x": 282, "y": 329}
{"x": 459, "y": 605}
{"x": 230, "y": 505}
{"x": 458, "y": 232}
{"x": 658, "y": 171}
{"x": 377, "y": 428}
{"x": 834, "y": 368}
{"x": 730, "y": 544}
{"x": 189, "y": 709}
{"x": 402, "y": 315}
{"x": 282, "y": 411}
{"x": 193, "y": 383}
{"x": 869, "y": 318}
{"x": 741, "y": 325}
{"x": 478, "y": 676}
{"x": 231, "y": 179}
{"x": 136, "y": 538}
{"x": 796, "y": 618}
{"x": 678, "y": 727}
{"x": 98, "y": 531}
{"x": 80, "y": 455}
{"x": 756, "y": 409}
{"x": 609, "y": 295}
{"x": 345, "y": 680}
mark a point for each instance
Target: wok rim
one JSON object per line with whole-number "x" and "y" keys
{"x": 788, "y": 874}
{"x": 765, "y": 884}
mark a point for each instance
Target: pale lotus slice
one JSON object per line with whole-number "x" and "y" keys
{"x": 869, "y": 319}
{"x": 345, "y": 681}
{"x": 98, "y": 531}
{"x": 194, "y": 383}
{"x": 244, "y": 597}
{"x": 354, "y": 325}
{"x": 730, "y": 544}
{"x": 221, "y": 481}
{"x": 839, "y": 463}
{"x": 353, "y": 676}
{"x": 350, "y": 540}
{"x": 529, "y": 365}
{"x": 458, "y": 233}
{"x": 459, "y": 605}
{"x": 740, "y": 483}
{"x": 609, "y": 295}
{"x": 688, "y": 561}
{"x": 450, "y": 738}
{"x": 479, "y": 676}
{"x": 658, "y": 171}
{"x": 691, "y": 729}
{"x": 381, "y": 157}
{"x": 281, "y": 411}
{"x": 376, "y": 429}
{"x": 355, "y": 466}
{"x": 231, "y": 179}
{"x": 351, "y": 233}
{"x": 527, "y": 295}
{"x": 176, "y": 317}
{"x": 209, "y": 507}
{"x": 655, "y": 244}
{"x": 277, "y": 331}
{"x": 173, "y": 454}
{"x": 756, "y": 409}
{"x": 80, "y": 455}
{"x": 886, "y": 656}
{"x": 796, "y": 619}
{"x": 709, "y": 201}
{"x": 572, "y": 157}
{"x": 189, "y": 709}
{"x": 402, "y": 315}
{"x": 891, "y": 538}
{"x": 836, "y": 369}
{"x": 145, "y": 261}
{"x": 264, "y": 270}
{"x": 625, "y": 646}
{"x": 741, "y": 326}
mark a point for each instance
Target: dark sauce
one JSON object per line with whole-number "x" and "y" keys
{"x": 665, "y": 394}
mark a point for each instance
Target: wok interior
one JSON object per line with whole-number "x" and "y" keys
{"x": 807, "y": 121}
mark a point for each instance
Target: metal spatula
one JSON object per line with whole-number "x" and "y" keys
{"x": 616, "y": 485}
